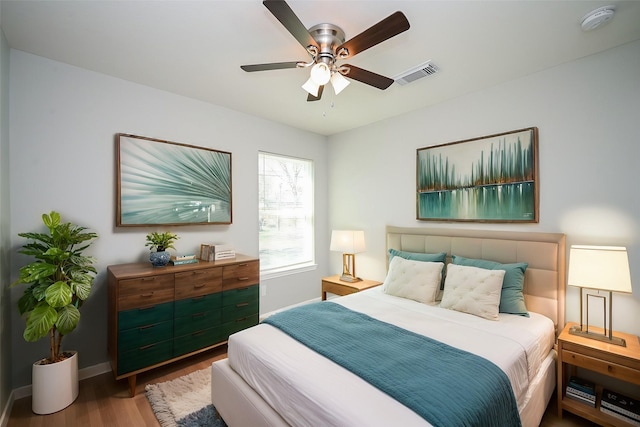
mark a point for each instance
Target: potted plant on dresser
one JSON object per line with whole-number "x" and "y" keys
{"x": 160, "y": 242}
{"x": 59, "y": 281}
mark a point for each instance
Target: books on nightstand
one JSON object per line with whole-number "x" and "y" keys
{"x": 582, "y": 390}
{"x": 213, "y": 252}
{"x": 620, "y": 406}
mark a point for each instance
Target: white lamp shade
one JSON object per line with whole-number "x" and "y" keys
{"x": 338, "y": 82}
{"x": 311, "y": 87}
{"x": 599, "y": 267}
{"x": 347, "y": 241}
{"x": 320, "y": 73}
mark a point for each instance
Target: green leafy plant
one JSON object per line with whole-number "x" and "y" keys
{"x": 161, "y": 241}
{"x": 60, "y": 280}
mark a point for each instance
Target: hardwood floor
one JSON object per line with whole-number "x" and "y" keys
{"x": 105, "y": 402}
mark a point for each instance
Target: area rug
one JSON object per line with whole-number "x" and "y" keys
{"x": 185, "y": 401}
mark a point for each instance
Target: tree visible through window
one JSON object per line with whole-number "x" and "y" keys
{"x": 286, "y": 212}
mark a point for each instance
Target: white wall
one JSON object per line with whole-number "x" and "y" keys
{"x": 5, "y": 300}
{"x": 63, "y": 122}
{"x": 587, "y": 113}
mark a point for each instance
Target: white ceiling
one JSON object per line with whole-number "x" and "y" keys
{"x": 195, "y": 48}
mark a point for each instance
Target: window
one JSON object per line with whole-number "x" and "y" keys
{"x": 286, "y": 212}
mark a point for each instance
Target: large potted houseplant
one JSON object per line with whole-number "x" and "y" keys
{"x": 59, "y": 281}
{"x": 160, "y": 242}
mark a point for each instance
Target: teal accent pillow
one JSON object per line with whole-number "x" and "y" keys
{"x": 417, "y": 256}
{"x": 511, "y": 296}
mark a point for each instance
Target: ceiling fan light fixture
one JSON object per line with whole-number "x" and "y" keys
{"x": 320, "y": 74}
{"x": 311, "y": 87}
{"x": 338, "y": 82}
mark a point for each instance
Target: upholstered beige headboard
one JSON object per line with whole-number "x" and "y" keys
{"x": 544, "y": 282}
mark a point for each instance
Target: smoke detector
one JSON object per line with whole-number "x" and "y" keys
{"x": 597, "y": 18}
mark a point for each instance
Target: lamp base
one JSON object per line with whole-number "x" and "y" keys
{"x": 575, "y": 330}
{"x": 349, "y": 278}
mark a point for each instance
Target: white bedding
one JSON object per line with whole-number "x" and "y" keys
{"x": 301, "y": 385}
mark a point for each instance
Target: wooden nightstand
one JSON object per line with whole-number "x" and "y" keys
{"x": 622, "y": 363}
{"x": 334, "y": 285}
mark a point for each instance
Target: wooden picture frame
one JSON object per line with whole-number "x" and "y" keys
{"x": 492, "y": 178}
{"x": 167, "y": 183}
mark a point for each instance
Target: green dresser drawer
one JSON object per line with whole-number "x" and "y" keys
{"x": 240, "y": 295}
{"x": 144, "y": 356}
{"x": 240, "y": 310}
{"x": 145, "y": 316}
{"x": 197, "y": 321}
{"x": 189, "y": 306}
{"x": 143, "y": 335}
{"x": 238, "y": 325}
{"x": 196, "y": 340}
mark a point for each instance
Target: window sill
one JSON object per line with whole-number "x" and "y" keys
{"x": 287, "y": 271}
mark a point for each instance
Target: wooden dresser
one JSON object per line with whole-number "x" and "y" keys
{"x": 158, "y": 315}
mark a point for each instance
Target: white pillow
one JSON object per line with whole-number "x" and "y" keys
{"x": 473, "y": 290}
{"x": 416, "y": 280}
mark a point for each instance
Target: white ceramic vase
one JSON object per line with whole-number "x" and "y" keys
{"x": 54, "y": 386}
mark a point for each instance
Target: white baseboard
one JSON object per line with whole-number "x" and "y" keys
{"x": 4, "y": 419}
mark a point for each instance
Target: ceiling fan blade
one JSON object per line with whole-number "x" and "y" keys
{"x": 316, "y": 98}
{"x": 367, "y": 77}
{"x": 283, "y": 13}
{"x": 270, "y": 66}
{"x": 389, "y": 27}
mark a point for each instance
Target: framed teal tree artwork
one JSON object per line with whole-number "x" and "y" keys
{"x": 169, "y": 183}
{"x": 487, "y": 179}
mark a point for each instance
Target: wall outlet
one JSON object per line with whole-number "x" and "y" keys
{"x": 263, "y": 290}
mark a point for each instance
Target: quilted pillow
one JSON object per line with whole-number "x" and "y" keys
{"x": 473, "y": 290}
{"x": 419, "y": 256}
{"x": 512, "y": 298}
{"x": 416, "y": 280}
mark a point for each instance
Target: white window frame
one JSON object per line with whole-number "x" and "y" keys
{"x": 308, "y": 212}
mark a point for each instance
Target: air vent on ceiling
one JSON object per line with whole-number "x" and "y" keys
{"x": 423, "y": 70}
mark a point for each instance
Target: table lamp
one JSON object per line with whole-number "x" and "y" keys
{"x": 349, "y": 243}
{"x": 603, "y": 268}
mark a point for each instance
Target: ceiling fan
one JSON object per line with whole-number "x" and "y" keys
{"x": 326, "y": 45}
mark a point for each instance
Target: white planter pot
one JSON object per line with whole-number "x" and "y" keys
{"x": 54, "y": 386}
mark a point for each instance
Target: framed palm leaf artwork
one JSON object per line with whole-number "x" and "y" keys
{"x": 488, "y": 179}
{"x": 168, "y": 183}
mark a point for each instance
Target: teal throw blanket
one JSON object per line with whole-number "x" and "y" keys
{"x": 444, "y": 385}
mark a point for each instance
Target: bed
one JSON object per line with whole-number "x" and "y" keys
{"x": 272, "y": 379}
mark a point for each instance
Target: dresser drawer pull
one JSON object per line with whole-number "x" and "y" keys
{"x": 242, "y": 304}
{"x": 243, "y": 289}
{"x": 197, "y": 298}
{"x": 243, "y": 265}
{"x": 243, "y": 278}
{"x": 147, "y": 295}
{"x": 242, "y": 319}
{"x": 147, "y": 347}
{"x": 148, "y": 279}
{"x": 143, "y": 328}
{"x": 201, "y": 285}
{"x": 153, "y": 307}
